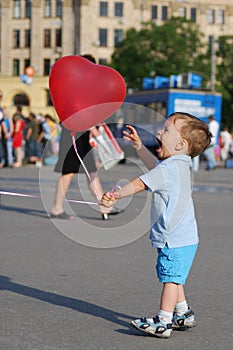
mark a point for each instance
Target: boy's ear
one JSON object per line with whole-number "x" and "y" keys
{"x": 181, "y": 144}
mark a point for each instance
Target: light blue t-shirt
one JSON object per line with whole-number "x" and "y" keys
{"x": 172, "y": 210}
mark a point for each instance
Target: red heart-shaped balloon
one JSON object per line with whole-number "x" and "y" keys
{"x": 84, "y": 93}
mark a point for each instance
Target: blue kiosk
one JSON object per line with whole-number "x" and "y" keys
{"x": 163, "y": 102}
{"x": 200, "y": 103}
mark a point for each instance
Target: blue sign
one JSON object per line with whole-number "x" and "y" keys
{"x": 161, "y": 82}
{"x": 148, "y": 83}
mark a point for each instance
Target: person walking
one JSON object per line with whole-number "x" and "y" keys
{"x": 225, "y": 144}
{"x": 68, "y": 165}
{"x": 8, "y": 129}
{"x": 32, "y": 138}
{"x": 18, "y": 138}
{"x": 2, "y": 156}
{"x": 209, "y": 153}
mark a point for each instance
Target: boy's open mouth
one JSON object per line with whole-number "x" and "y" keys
{"x": 158, "y": 145}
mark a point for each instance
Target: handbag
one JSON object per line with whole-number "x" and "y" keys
{"x": 107, "y": 147}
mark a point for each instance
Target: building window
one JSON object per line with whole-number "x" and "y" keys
{"x": 221, "y": 17}
{"x": 47, "y": 38}
{"x": 103, "y": 36}
{"x": 16, "y": 63}
{"x": 193, "y": 14}
{"x": 21, "y": 100}
{"x": 46, "y": 66}
{"x": 58, "y": 38}
{"x": 211, "y": 16}
{"x": 59, "y": 8}
{"x": 27, "y": 63}
{"x": 118, "y": 9}
{"x": 16, "y": 39}
{"x": 164, "y": 13}
{"x": 27, "y": 38}
{"x": 28, "y": 9}
{"x": 47, "y": 8}
{"x": 103, "y": 61}
{"x": 103, "y": 9}
{"x": 182, "y": 12}
{"x": 154, "y": 12}
{"x": 118, "y": 36}
{"x": 49, "y": 101}
{"x": 17, "y": 9}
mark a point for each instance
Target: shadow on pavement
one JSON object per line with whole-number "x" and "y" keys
{"x": 27, "y": 211}
{"x": 60, "y": 300}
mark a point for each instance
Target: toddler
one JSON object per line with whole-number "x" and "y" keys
{"x": 173, "y": 225}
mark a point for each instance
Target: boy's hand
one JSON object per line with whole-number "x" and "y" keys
{"x": 132, "y": 137}
{"x": 109, "y": 198}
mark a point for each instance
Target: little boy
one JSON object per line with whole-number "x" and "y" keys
{"x": 173, "y": 224}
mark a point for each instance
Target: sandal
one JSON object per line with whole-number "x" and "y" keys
{"x": 115, "y": 211}
{"x": 153, "y": 326}
{"x": 104, "y": 216}
{"x": 63, "y": 215}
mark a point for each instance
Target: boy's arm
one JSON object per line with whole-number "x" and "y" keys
{"x": 133, "y": 187}
{"x": 144, "y": 154}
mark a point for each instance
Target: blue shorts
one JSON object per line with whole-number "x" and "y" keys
{"x": 174, "y": 264}
{"x": 32, "y": 148}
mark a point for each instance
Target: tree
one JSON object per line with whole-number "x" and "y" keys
{"x": 225, "y": 78}
{"x": 173, "y": 48}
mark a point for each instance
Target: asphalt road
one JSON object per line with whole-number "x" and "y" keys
{"x": 58, "y": 294}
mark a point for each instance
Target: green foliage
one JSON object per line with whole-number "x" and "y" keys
{"x": 172, "y": 48}
{"x": 225, "y": 78}
{"x": 175, "y": 47}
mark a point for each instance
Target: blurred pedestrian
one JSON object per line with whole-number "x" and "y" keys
{"x": 209, "y": 153}
{"x": 68, "y": 165}
{"x": 2, "y": 158}
{"x": 31, "y": 138}
{"x": 43, "y": 140}
{"x": 18, "y": 137}
{"x": 226, "y": 140}
{"x": 196, "y": 163}
{"x": 55, "y": 133}
{"x": 231, "y": 146}
{"x": 8, "y": 129}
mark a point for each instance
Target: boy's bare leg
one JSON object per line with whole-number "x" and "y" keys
{"x": 169, "y": 297}
{"x": 181, "y": 294}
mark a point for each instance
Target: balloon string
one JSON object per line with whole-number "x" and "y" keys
{"x": 80, "y": 159}
{"x": 84, "y": 167}
{"x": 15, "y": 194}
{"x": 115, "y": 188}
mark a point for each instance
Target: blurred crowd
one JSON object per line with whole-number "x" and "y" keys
{"x": 24, "y": 139}
{"x": 220, "y": 149}
{"x": 35, "y": 138}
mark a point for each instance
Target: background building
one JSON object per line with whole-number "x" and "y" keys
{"x": 37, "y": 32}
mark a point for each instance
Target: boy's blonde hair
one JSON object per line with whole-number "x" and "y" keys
{"x": 194, "y": 131}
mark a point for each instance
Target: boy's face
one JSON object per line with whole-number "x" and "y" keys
{"x": 170, "y": 140}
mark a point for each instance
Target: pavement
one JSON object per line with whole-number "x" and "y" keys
{"x": 66, "y": 290}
